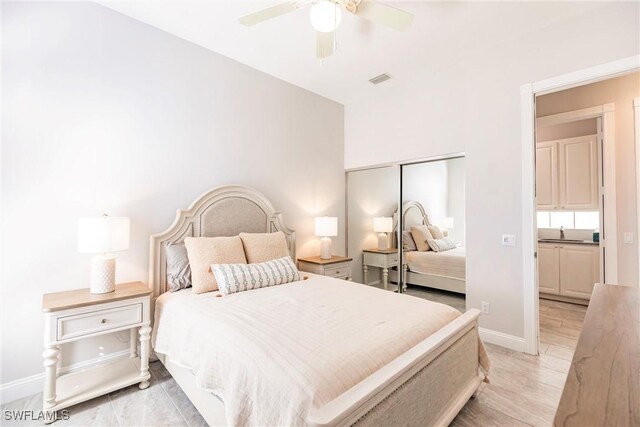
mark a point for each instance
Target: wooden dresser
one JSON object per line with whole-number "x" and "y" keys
{"x": 603, "y": 384}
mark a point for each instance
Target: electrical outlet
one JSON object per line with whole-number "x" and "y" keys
{"x": 485, "y": 307}
{"x": 628, "y": 238}
{"x": 508, "y": 240}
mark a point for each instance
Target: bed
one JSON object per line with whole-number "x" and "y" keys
{"x": 314, "y": 352}
{"x": 438, "y": 270}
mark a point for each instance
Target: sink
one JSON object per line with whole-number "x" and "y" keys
{"x": 560, "y": 241}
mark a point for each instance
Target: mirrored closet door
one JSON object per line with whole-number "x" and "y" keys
{"x": 373, "y": 196}
{"x": 432, "y": 220}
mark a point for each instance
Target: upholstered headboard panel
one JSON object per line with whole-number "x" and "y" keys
{"x": 223, "y": 211}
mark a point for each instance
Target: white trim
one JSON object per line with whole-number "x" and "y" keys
{"x": 636, "y": 109}
{"x": 529, "y": 232}
{"x": 503, "y": 340}
{"x": 571, "y": 116}
{"x": 527, "y": 94}
{"x": 27, "y": 386}
{"x": 587, "y": 75}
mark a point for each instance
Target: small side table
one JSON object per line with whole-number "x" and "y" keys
{"x": 384, "y": 259}
{"x": 338, "y": 266}
{"x": 77, "y": 314}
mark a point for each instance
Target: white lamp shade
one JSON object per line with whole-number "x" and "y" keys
{"x": 325, "y": 16}
{"x": 383, "y": 224}
{"x": 446, "y": 222}
{"x": 103, "y": 234}
{"x": 326, "y": 226}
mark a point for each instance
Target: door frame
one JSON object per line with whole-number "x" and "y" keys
{"x": 528, "y": 92}
{"x": 636, "y": 111}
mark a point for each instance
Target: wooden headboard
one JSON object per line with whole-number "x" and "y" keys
{"x": 223, "y": 211}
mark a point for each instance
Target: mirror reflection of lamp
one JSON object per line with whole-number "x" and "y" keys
{"x": 382, "y": 226}
{"x": 446, "y": 224}
{"x": 326, "y": 227}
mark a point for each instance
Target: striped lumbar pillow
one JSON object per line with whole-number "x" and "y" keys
{"x": 234, "y": 278}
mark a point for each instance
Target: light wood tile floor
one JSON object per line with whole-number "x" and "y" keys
{"x": 524, "y": 390}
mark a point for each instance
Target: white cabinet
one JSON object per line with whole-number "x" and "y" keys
{"x": 578, "y": 160}
{"x": 549, "y": 269}
{"x": 567, "y": 174}
{"x": 547, "y": 175}
{"x": 579, "y": 270}
{"x": 569, "y": 270}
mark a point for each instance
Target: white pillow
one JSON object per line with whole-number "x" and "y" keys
{"x": 234, "y": 278}
{"x": 441, "y": 245}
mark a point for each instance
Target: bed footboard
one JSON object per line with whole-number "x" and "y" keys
{"x": 427, "y": 386}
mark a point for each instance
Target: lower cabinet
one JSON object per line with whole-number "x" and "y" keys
{"x": 568, "y": 270}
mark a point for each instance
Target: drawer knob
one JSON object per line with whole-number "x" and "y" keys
{"x": 338, "y": 272}
{"x": 103, "y": 321}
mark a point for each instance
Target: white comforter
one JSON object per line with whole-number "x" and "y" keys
{"x": 274, "y": 354}
{"x": 447, "y": 263}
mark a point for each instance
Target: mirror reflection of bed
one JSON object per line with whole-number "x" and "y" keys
{"x": 433, "y": 210}
{"x": 433, "y": 196}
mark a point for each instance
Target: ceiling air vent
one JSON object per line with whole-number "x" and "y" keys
{"x": 379, "y": 79}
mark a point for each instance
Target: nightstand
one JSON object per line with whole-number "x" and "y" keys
{"x": 74, "y": 315}
{"x": 384, "y": 259}
{"x": 338, "y": 266}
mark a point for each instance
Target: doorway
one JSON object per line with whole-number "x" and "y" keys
{"x": 531, "y": 94}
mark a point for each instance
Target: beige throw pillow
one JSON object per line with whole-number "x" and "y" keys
{"x": 441, "y": 245}
{"x": 436, "y": 232}
{"x": 262, "y": 247}
{"x": 204, "y": 251}
{"x": 421, "y": 234}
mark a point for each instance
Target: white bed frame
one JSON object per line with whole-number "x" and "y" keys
{"x": 230, "y": 210}
{"x": 413, "y": 213}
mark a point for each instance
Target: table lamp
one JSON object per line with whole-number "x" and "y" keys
{"x": 446, "y": 223}
{"x": 326, "y": 227}
{"x": 382, "y": 226}
{"x": 101, "y": 236}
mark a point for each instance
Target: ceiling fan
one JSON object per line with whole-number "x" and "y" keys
{"x": 326, "y": 15}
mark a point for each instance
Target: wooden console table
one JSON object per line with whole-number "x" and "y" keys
{"x": 603, "y": 384}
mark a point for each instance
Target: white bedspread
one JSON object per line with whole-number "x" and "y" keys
{"x": 274, "y": 354}
{"x": 448, "y": 263}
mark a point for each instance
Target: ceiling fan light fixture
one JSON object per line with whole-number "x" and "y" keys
{"x": 325, "y": 16}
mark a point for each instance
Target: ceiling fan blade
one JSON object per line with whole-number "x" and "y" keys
{"x": 385, "y": 15}
{"x": 325, "y": 44}
{"x": 268, "y": 13}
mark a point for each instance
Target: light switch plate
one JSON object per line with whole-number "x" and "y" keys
{"x": 508, "y": 240}
{"x": 628, "y": 238}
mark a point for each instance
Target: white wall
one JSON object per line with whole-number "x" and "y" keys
{"x": 472, "y": 104}
{"x": 456, "y": 197}
{"x": 102, "y": 113}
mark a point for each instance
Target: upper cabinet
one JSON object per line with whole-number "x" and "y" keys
{"x": 547, "y": 175}
{"x": 567, "y": 174}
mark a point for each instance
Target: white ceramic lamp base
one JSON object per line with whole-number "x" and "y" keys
{"x": 383, "y": 241}
{"x": 103, "y": 274}
{"x": 325, "y": 251}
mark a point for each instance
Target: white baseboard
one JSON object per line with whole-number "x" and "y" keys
{"x": 28, "y": 386}
{"x": 503, "y": 340}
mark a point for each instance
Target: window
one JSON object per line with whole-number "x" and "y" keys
{"x": 584, "y": 220}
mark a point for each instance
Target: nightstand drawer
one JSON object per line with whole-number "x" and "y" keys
{"x": 98, "y": 321}
{"x": 342, "y": 269}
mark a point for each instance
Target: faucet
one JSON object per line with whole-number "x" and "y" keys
{"x": 561, "y": 232}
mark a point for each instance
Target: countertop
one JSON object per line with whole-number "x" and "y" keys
{"x": 569, "y": 242}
